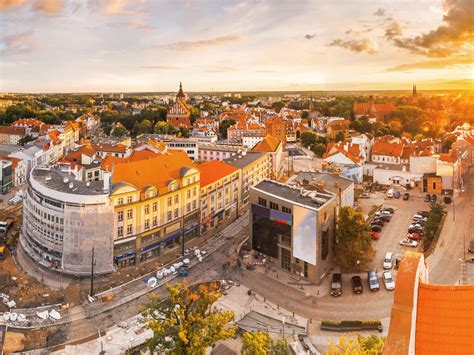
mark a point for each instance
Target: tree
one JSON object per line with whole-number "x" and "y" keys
{"x": 183, "y": 132}
{"x": 163, "y": 128}
{"x": 448, "y": 142}
{"x": 318, "y": 149}
{"x": 340, "y": 136}
{"x": 434, "y": 218}
{"x": 277, "y": 106}
{"x": 186, "y": 323}
{"x": 144, "y": 126}
{"x": 25, "y": 139}
{"x": 308, "y": 138}
{"x": 353, "y": 242}
{"x": 359, "y": 345}
{"x": 119, "y": 132}
{"x": 223, "y": 127}
{"x": 260, "y": 342}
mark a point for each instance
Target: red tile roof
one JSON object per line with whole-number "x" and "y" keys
{"x": 390, "y": 149}
{"x": 267, "y": 144}
{"x": 214, "y": 170}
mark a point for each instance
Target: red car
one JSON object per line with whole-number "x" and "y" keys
{"x": 414, "y": 236}
{"x": 374, "y": 235}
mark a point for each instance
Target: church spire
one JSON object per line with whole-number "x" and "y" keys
{"x": 414, "y": 91}
{"x": 180, "y": 94}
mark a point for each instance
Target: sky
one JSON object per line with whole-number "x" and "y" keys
{"x": 241, "y": 45}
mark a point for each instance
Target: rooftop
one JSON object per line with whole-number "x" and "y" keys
{"x": 308, "y": 198}
{"x": 328, "y": 179}
{"x": 268, "y": 144}
{"x": 242, "y": 160}
{"x": 214, "y": 170}
{"x": 56, "y": 179}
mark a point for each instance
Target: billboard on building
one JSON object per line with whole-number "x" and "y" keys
{"x": 304, "y": 234}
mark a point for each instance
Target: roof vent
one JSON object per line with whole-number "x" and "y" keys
{"x": 48, "y": 177}
{"x": 66, "y": 180}
{"x": 71, "y": 185}
{"x": 88, "y": 183}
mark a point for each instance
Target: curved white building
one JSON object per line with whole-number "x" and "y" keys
{"x": 65, "y": 219}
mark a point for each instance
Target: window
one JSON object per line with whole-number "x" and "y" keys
{"x": 129, "y": 213}
{"x": 129, "y": 229}
{"x": 188, "y": 207}
{"x": 169, "y": 201}
{"x": 273, "y": 206}
{"x": 194, "y": 191}
{"x": 120, "y": 201}
{"x": 305, "y": 269}
{"x": 285, "y": 259}
{"x": 286, "y": 209}
{"x": 155, "y": 206}
{"x": 129, "y": 199}
{"x": 147, "y": 209}
{"x": 147, "y": 224}
{"x": 262, "y": 202}
{"x": 168, "y": 217}
{"x": 176, "y": 199}
{"x": 286, "y": 239}
{"x": 120, "y": 232}
{"x": 176, "y": 213}
{"x": 120, "y": 216}
{"x": 155, "y": 221}
{"x": 188, "y": 194}
{"x": 194, "y": 204}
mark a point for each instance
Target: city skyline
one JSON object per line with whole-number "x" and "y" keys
{"x": 148, "y": 46}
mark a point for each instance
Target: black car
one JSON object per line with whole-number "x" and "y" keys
{"x": 423, "y": 213}
{"x": 427, "y": 198}
{"x": 389, "y": 209}
{"x": 380, "y": 221}
{"x": 406, "y": 196}
{"x": 447, "y": 199}
{"x": 433, "y": 198}
{"x": 373, "y": 281}
{"x": 336, "y": 285}
{"x": 356, "y": 282}
{"x": 376, "y": 228}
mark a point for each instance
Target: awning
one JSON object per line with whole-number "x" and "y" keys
{"x": 151, "y": 246}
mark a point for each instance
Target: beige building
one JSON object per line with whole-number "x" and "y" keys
{"x": 274, "y": 147}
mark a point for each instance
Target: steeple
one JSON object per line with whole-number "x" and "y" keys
{"x": 311, "y": 107}
{"x": 414, "y": 91}
{"x": 180, "y": 94}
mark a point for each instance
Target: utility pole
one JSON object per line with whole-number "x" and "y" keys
{"x": 92, "y": 273}
{"x": 182, "y": 235}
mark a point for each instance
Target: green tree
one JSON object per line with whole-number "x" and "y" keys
{"x": 353, "y": 242}
{"x": 308, "y": 138}
{"x": 223, "y": 127}
{"x": 434, "y": 218}
{"x": 448, "y": 142}
{"x": 187, "y": 322}
{"x": 183, "y": 132}
{"x": 360, "y": 345}
{"x": 318, "y": 149}
{"x": 277, "y": 106}
{"x": 194, "y": 113}
{"x": 119, "y": 132}
{"x": 261, "y": 343}
{"x": 163, "y": 128}
{"x": 144, "y": 126}
{"x": 25, "y": 139}
{"x": 340, "y": 136}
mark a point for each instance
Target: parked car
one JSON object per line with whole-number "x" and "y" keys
{"x": 365, "y": 195}
{"x": 376, "y": 228}
{"x": 406, "y": 196}
{"x": 396, "y": 194}
{"x": 378, "y": 221}
{"x": 374, "y": 235}
{"x": 373, "y": 281}
{"x": 406, "y": 242}
{"x": 390, "y": 193}
{"x": 416, "y": 230}
{"x": 388, "y": 280}
{"x": 336, "y": 285}
{"x": 356, "y": 282}
{"x": 447, "y": 199}
{"x": 388, "y": 261}
{"x": 423, "y": 213}
{"x": 414, "y": 236}
{"x": 433, "y": 198}
{"x": 427, "y": 198}
{"x": 388, "y": 209}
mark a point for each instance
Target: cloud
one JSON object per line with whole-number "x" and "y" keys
{"x": 49, "y": 6}
{"x": 161, "y": 67}
{"x": 379, "y": 12}
{"x": 350, "y": 31}
{"x": 134, "y": 23}
{"x": 10, "y": 4}
{"x": 363, "y": 45}
{"x": 310, "y": 36}
{"x": 453, "y": 36}
{"x": 114, "y": 7}
{"x": 196, "y": 45}
{"x": 393, "y": 29}
{"x": 20, "y": 43}
{"x": 433, "y": 64}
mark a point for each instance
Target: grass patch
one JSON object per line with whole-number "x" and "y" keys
{"x": 430, "y": 245}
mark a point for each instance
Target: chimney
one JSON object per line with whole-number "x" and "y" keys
{"x": 71, "y": 185}
{"x": 107, "y": 177}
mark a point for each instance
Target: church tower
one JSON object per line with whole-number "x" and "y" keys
{"x": 180, "y": 96}
{"x": 414, "y": 94}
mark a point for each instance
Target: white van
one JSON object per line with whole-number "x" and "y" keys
{"x": 388, "y": 261}
{"x": 390, "y": 193}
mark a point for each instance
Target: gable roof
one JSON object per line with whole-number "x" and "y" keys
{"x": 390, "y": 149}
{"x": 267, "y": 144}
{"x": 214, "y": 170}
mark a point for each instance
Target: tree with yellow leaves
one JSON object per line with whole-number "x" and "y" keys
{"x": 186, "y": 322}
{"x": 260, "y": 343}
{"x": 360, "y": 345}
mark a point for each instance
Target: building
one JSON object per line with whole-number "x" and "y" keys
{"x": 254, "y": 167}
{"x": 18, "y": 170}
{"x": 340, "y": 186}
{"x": 427, "y": 318}
{"x": 66, "y": 221}
{"x": 114, "y": 150}
{"x": 375, "y": 112}
{"x": 188, "y": 145}
{"x": 236, "y": 132}
{"x": 179, "y": 114}
{"x": 6, "y": 175}
{"x": 208, "y": 152}
{"x": 250, "y": 140}
{"x": 11, "y": 134}
{"x": 338, "y": 159}
{"x": 219, "y": 194}
{"x": 337, "y": 126}
{"x": 274, "y": 147}
{"x": 156, "y": 202}
{"x": 276, "y": 127}
{"x": 387, "y": 152}
{"x": 294, "y": 228}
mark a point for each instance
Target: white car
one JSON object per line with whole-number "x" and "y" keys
{"x": 388, "y": 280}
{"x": 408, "y": 243}
{"x": 387, "y": 261}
